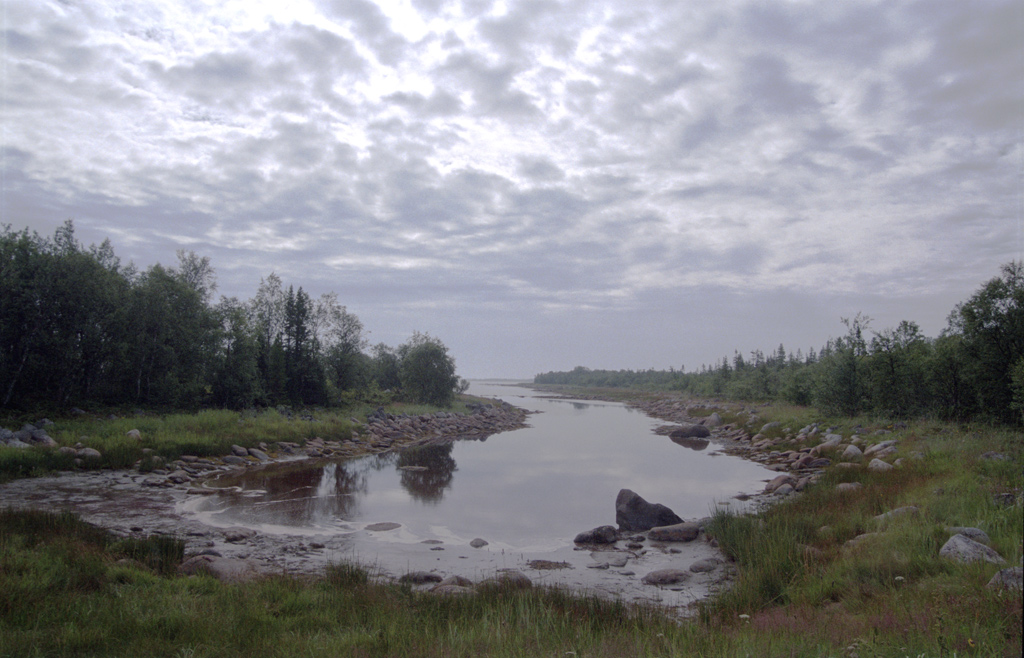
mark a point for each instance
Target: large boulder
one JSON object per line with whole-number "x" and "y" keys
{"x": 634, "y": 514}
{"x": 964, "y": 549}
{"x": 690, "y": 431}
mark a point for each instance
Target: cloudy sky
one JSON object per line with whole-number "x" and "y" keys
{"x": 541, "y": 184}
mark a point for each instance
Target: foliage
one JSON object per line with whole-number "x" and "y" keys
{"x": 77, "y": 329}
{"x": 971, "y": 371}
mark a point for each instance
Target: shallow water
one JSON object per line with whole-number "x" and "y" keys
{"x": 527, "y": 490}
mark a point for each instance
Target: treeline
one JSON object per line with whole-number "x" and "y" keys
{"x": 973, "y": 370}
{"x": 78, "y": 327}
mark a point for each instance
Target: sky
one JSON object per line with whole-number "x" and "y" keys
{"x": 540, "y": 184}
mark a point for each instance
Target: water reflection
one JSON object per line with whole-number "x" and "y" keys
{"x": 691, "y": 443}
{"x": 427, "y": 471}
{"x": 533, "y": 487}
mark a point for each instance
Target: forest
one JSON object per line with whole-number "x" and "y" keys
{"x": 974, "y": 370}
{"x": 78, "y": 327}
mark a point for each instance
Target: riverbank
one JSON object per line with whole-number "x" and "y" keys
{"x": 840, "y": 567}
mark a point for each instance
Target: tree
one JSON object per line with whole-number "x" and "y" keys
{"x": 428, "y": 371}
{"x": 992, "y": 325}
{"x": 235, "y": 380}
{"x": 840, "y": 385}
{"x": 899, "y": 358}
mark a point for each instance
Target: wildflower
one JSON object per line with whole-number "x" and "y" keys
{"x": 745, "y": 618}
{"x": 970, "y": 642}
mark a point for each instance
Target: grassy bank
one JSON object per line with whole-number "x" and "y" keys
{"x": 208, "y": 433}
{"x": 801, "y": 590}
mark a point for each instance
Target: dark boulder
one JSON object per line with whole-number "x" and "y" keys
{"x": 634, "y": 514}
{"x": 690, "y": 431}
{"x": 605, "y": 534}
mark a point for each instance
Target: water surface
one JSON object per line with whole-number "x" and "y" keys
{"x": 529, "y": 490}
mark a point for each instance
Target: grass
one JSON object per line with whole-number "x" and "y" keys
{"x": 208, "y": 433}
{"x": 67, "y": 588}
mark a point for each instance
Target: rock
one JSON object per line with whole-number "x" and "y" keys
{"x": 851, "y": 452}
{"x": 878, "y": 447}
{"x": 994, "y": 456}
{"x": 458, "y": 581}
{"x": 238, "y": 535}
{"x": 964, "y": 549}
{"x": 784, "y": 490}
{"x": 234, "y": 460}
{"x": 606, "y": 534}
{"x": 1011, "y": 579}
{"x": 179, "y": 477}
{"x": 229, "y": 570}
{"x": 714, "y": 420}
{"x": 977, "y": 534}
{"x": 690, "y": 431}
{"x": 830, "y": 441}
{"x": 778, "y": 482}
{"x": 675, "y": 532}
{"x": 856, "y": 541}
{"x": 879, "y": 466}
{"x": 691, "y": 443}
{"x": 633, "y": 513}
{"x": 134, "y": 434}
{"x": 769, "y": 426}
{"x": 381, "y": 527}
{"x": 239, "y": 450}
{"x": 508, "y": 579}
{"x": 420, "y": 578}
{"x": 705, "y": 565}
{"x": 615, "y": 559}
{"x": 666, "y": 577}
{"x": 89, "y": 453}
{"x": 478, "y": 543}
{"x": 846, "y": 487}
{"x": 259, "y": 454}
{"x": 899, "y": 511}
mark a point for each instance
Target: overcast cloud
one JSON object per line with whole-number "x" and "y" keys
{"x": 541, "y": 184}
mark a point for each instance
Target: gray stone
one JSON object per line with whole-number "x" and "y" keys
{"x": 690, "y": 431}
{"x": 714, "y": 420}
{"x": 508, "y": 579}
{"x": 134, "y": 434}
{"x": 977, "y": 534}
{"x": 705, "y": 565}
{"x": 610, "y": 558}
{"x": 259, "y": 454}
{"x": 633, "y": 513}
{"x": 606, "y": 534}
{"x": 478, "y": 543}
{"x": 778, "y": 482}
{"x": 770, "y": 426}
{"x": 879, "y": 466}
{"x": 89, "y": 453}
{"x": 852, "y": 452}
{"x": 846, "y": 487}
{"x": 1011, "y": 579}
{"x": 239, "y": 450}
{"x": 964, "y": 549}
{"x": 675, "y": 532}
{"x": 234, "y": 460}
{"x": 878, "y": 447}
{"x": 666, "y": 577}
{"x": 784, "y": 490}
{"x": 381, "y": 527}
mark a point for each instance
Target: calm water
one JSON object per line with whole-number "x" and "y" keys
{"x": 529, "y": 490}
